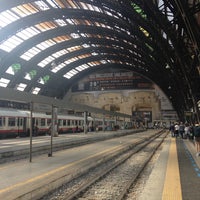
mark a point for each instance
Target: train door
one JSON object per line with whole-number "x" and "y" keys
{"x": 21, "y": 126}
{"x": 24, "y": 126}
{"x": 2, "y": 127}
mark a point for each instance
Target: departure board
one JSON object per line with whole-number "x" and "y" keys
{"x": 113, "y": 81}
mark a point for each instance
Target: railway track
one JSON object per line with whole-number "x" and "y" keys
{"x": 113, "y": 179}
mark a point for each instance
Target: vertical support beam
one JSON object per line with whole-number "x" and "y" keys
{"x": 85, "y": 122}
{"x": 103, "y": 125}
{"x": 52, "y": 131}
{"x": 31, "y": 131}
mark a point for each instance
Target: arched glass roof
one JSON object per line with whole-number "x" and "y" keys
{"x": 48, "y": 45}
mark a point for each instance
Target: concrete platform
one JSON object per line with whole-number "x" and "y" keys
{"x": 175, "y": 175}
{"x": 18, "y": 148}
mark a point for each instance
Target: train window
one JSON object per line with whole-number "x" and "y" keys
{"x": 20, "y": 122}
{"x": 48, "y": 122}
{"x": 43, "y": 122}
{"x": 64, "y": 122}
{"x": 60, "y": 122}
{"x": 76, "y": 122}
{"x": 73, "y": 122}
{"x": 2, "y": 121}
{"x": 11, "y": 121}
{"x": 68, "y": 122}
{"x": 36, "y": 122}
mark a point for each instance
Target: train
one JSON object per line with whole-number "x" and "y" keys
{"x": 17, "y": 123}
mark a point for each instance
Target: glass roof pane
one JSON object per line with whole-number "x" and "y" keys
{"x": 60, "y": 53}
{"x": 46, "y": 61}
{"x": 21, "y": 86}
{"x": 42, "y": 5}
{"x": 139, "y": 10}
{"x": 70, "y": 74}
{"x": 28, "y": 33}
{"x": 36, "y": 90}
{"x": 4, "y": 82}
{"x": 75, "y": 35}
{"x": 7, "y": 17}
{"x": 30, "y": 53}
{"x": 72, "y": 4}
{"x": 53, "y": 3}
{"x": 11, "y": 43}
{"x": 84, "y": 6}
{"x": 30, "y": 75}
{"x": 62, "y": 38}
{"x": 70, "y": 21}
{"x": 82, "y": 67}
{"x": 22, "y": 10}
{"x": 43, "y": 80}
{"x": 58, "y": 67}
{"x": 46, "y": 44}
{"x": 10, "y": 71}
{"x": 13, "y": 69}
{"x": 45, "y": 26}
{"x": 27, "y": 77}
{"x": 61, "y": 22}
{"x": 74, "y": 48}
{"x": 27, "y": 9}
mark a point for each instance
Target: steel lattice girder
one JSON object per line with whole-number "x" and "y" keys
{"x": 121, "y": 37}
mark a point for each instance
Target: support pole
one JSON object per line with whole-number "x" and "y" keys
{"x": 31, "y": 131}
{"x": 52, "y": 131}
{"x": 85, "y": 122}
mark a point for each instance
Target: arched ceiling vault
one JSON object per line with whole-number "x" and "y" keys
{"x": 43, "y": 42}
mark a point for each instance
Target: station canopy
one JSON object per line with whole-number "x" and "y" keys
{"x": 48, "y": 45}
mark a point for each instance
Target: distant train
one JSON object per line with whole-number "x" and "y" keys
{"x": 17, "y": 123}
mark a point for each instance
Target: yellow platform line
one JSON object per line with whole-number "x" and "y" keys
{"x": 172, "y": 185}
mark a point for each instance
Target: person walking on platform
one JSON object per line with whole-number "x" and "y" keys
{"x": 197, "y": 138}
{"x": 181, "y": 129}
{"x": 187, "y": 130}
{"x": 172, "y": 129}
{"x": 176, "y": 132}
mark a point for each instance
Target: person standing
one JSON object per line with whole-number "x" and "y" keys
{"x": 197, "y": 138}
{"x": 176, "y": 132}
{"x": 181, "y": 129}
{"x": 172, "y": 129}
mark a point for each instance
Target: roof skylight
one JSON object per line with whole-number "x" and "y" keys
{"x": 11, "y": 43}
{"x": 35, "y": 90}
{"x": 4, "y": 82}
{"x": 71, "y": 73}
{"x": 28, "y": 33}
{"x": 30, "y": 53}
{"x": 13, "y": 69}
{"x": 21, "y": 86}
{"x": 42, "y": 5}
{"x": 46, "y": 61}
{"x": 30, "y": 75}
{"x": 7, "y": 17}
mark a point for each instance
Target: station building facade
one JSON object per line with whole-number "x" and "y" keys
{"x": 124, "y": 92}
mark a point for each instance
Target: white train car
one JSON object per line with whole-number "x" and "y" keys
{"x": 17, "y": 123}
{"x": 13, "y": 122}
